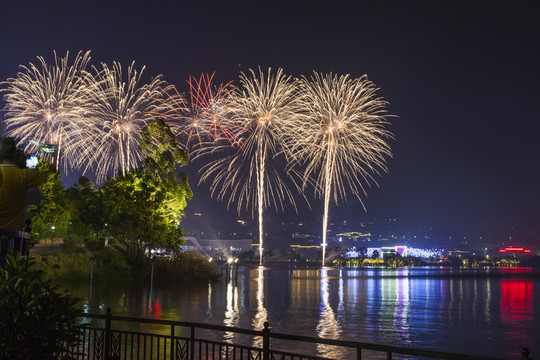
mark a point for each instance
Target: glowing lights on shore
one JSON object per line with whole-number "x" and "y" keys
{"x": 401, "y": 250}
{"x": 514, "y": 250}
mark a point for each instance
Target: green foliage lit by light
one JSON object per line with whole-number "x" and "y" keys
{"x": 37, "y": 318}
{"x": 50, "y": 218}
{"x": 145, "y": 206}
{"x": 86, "y": 207}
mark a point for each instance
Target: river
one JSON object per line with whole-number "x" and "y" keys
{"x": 479, "y": 312}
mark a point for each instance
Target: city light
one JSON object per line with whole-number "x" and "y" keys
{"x": 514, "y": 250}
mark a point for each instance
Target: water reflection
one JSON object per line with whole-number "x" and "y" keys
{"x": 402, "y": 306}
{"x": 209, "y": 307}
{"x": 328, "y": 326}
{"x": 432, "y": 309}
{"x": 517, "y": 314}
{"x": 261, "y": 315}
{"x": 232, "y": 310}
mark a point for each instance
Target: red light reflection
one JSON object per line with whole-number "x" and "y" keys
{"x": 517, "y": 309}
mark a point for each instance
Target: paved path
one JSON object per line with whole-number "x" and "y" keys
{"x": 44, "y": 247}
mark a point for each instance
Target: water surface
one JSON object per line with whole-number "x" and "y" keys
{"x": 481, "y": 312}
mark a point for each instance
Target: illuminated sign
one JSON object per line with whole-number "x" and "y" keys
{"x": 514, "y": 249}
{"x": 305, "y": 246}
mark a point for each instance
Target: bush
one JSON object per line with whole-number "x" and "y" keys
{"x": 187, "y": 265}
{"x": 71, "y": 267}
{"x": 37, "y": 319}
{"x": 65, "y": 266}
{"x": 114, "y": 260}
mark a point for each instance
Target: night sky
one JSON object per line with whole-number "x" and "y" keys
{"x": 463, "y": 79}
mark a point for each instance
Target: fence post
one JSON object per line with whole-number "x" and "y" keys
{"x": 192, "y": 345}
{"x": 266, "y": 341}
{"x": 173, "y": 355}
{"x": 358, "y": 353}
{"x": 108, "y": 334}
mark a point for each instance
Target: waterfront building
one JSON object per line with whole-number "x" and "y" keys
{"x": 217, "y": 249}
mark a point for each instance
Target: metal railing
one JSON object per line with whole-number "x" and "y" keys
{"x": 180, "y": 340}
{"x": 13, "y": 241}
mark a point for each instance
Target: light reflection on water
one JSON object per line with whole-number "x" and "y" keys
{"x": 262, "y": 314}
{"x": 328, "y": 326}
{"x": 422, "y": 308}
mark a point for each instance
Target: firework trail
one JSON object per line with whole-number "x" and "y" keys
{"x": 341, "y": 138}
{"x": 250, "y": 173}
{"x": 125, "y": 106}
{"x": 49, "y": 105}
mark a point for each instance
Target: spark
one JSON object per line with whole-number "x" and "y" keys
{"x": 49, "y": 104}
{"x": 341, "y": 138}
{"x": 251, "y": 174}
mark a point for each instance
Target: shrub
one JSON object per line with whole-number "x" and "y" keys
{"x": 187, "y": 265}
{"x": 65, "y": 266}
{"x": 37, "y": 319}
{"x": 114, "y": 260}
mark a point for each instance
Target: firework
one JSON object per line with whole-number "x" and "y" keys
{"x": 48, "y": 105}
{"x": 341, "y": 138}
{"x": 208, "y": 117}
{"x": 125, "y": 106}
{"x": 250, "y": 174}
{"x": 211, "y": 110}
{"x": 176, "y": 110}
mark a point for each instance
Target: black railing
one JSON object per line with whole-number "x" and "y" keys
{"x": 180, "y": 340}
{"x": 18, "y": 241}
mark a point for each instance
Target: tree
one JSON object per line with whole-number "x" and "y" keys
{"x": 50, "y": 218}
{"x": 144, "y": 207}
{"x": 37, "y": 319}
{"x": 86, "y": 208}
{"x": 362, "y": 252}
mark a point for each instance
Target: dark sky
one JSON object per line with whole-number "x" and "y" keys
{"x": 462, "y": 77}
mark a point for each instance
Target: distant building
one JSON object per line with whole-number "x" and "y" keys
{"x": 402, "y": 250}
{"x": 217, "y": 248}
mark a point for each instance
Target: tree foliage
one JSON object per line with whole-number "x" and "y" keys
{"x": 144, "y": 207}
{"x": 50, "y": 218}
{"x": 37, "y": 319}
{"x": 141, "y": 209}
{"x": 85, "y": 204}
